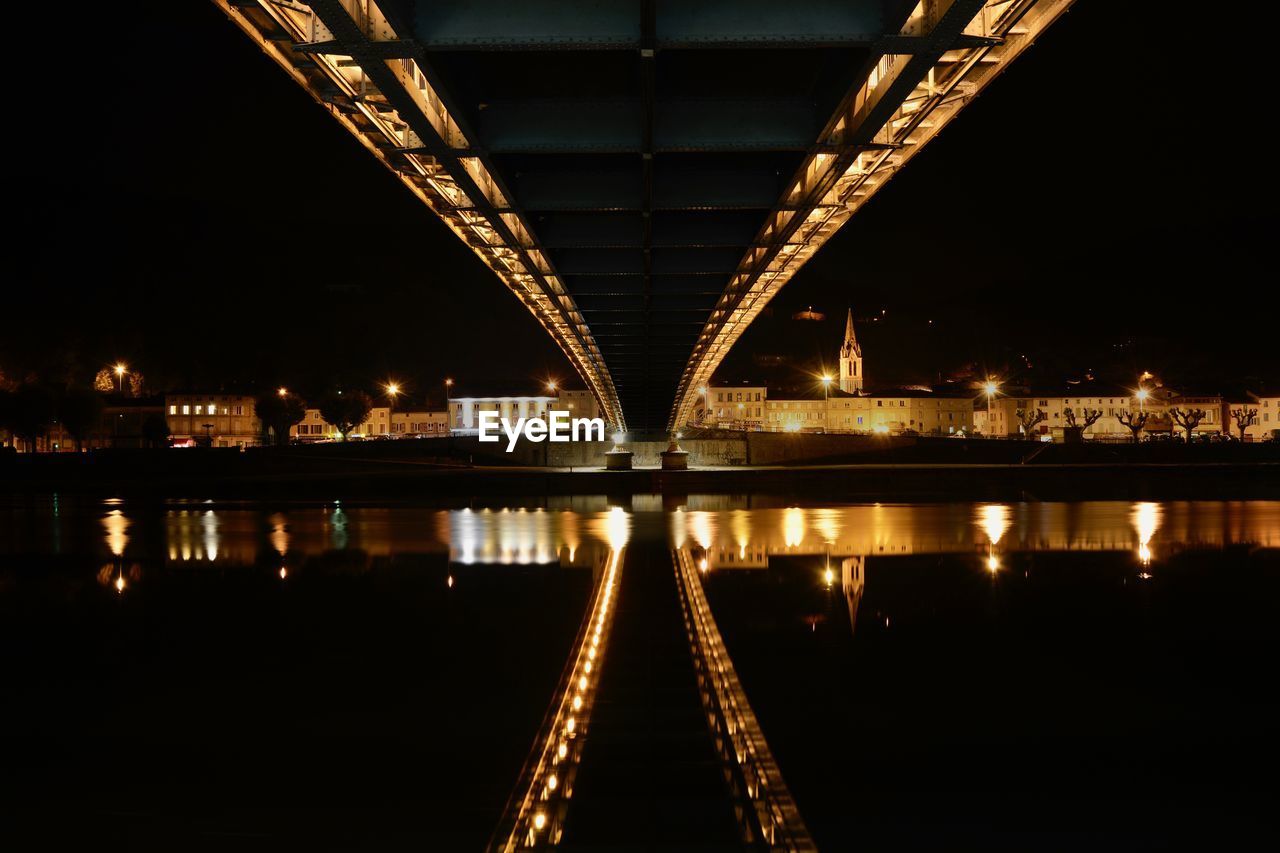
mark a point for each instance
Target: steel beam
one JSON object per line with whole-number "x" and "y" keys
{"x": 396, "y": 109}
{"x": 590, "y": 126}
{"x": 954, "y": 49}
{"x": 616, "y": 25}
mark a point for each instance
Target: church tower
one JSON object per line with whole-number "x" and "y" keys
{"x": 850, "y": 360}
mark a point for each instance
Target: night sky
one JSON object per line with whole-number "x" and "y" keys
{"x": 1107, "y": 204}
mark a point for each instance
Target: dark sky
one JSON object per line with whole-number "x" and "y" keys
{"x": 1108, "y": 203}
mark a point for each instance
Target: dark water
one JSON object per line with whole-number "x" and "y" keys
{"x": 183, "y": 675}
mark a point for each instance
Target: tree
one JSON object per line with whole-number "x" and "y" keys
{"x": 345, "y": 411}
{"x": 155, "y": 430}
{"x": 1029, "y": 418}
{"x": 278, "y": 412}
{"x": 104, "y": 381}
{"x": 32, "y": 413}
{"x": 1135, "y": 421}
{"x": 1244, "y": 418}
{"x": 1090, "y": 417}
{"x": 1188, "y": 420}
{"x": 80, "y": 410}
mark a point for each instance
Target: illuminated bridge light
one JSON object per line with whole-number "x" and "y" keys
{"x": 546, "y": 783}
{"x": 706, "y": 263}
{"x": 769, "y": 810}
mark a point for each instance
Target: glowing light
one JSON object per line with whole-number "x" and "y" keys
{"x": 702, "y": 564}
{"x": 282, "y": 391}
{"x": 570, "y": 724}
{"x": 991, "y": 388}
{"x": 880, "y": 429}
{"x": 120, "y": 583}
{"x": 116, "y": 526}
{"x": 552, "y": 782}
{"x": 449, "y": 581}
{"x": 551, "y": 386}
{"x": 618, "y": 438}
{"x": 1146, "y": 520}
{"x": 994, "y": 521}
{"x": 577, "y": 703}
{"x": 793, "y": 528}
{"x": 1142, "y": 395}
{"x": 393, "y": 388}
{"x": 562, "y": 750}
{"x": 993, "y": 563}
{"x": 826, "y": 380}
{"x": 829, "y": 577}
{"x": 121, "y": 369}
{"x": 539, "y": 821}
{"x": 284, "y": 573}
{"x": 582, "y": 683}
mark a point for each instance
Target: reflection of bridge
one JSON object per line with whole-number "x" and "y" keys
{"x": 643, "y": 174}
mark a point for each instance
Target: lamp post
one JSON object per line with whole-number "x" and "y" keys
{"x": 393, "y": 391}
{"x": 120, "y": 369}
{"x": 448, "y": 383}
{"x": 826, "y": 407}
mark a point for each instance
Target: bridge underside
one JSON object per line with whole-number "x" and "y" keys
{"x": 644, "y": 174}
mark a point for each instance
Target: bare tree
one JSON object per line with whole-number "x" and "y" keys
{"x": 1244, "y": 419}
{"x": 1029, "y": 418}
{"x": 1188, "y": 420}
{"x": 1135, "y": 421}
{"x": 1090, "y": 417}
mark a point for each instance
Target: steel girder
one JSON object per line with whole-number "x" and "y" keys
{"x": 350, "y": 57}
{"x": 919, "y": 80}
{"x": 622, "y": 164}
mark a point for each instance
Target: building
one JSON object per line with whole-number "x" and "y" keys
{"x": 1001, "y": 420}
{"x": 215, "y": 420}
{"x": 847, "y": 408}
{"x": 464, "y": 411}
{"x": 1266, "y": 423}
{"x": 732, "y": 406}
{"x": 851, "y": 376}
{"x": 421, "y": 424}
{"x": 313, "y": 426}
{"x": 579, "y": 403}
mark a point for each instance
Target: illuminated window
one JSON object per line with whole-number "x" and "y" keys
{"x": 173, "y": 410}
{"x": 199, "y": 409}
{"x": 186, "y": 410}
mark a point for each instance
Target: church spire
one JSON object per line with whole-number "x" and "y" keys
{"x": 850, "y": 359}
{"x": 850, "y": 339}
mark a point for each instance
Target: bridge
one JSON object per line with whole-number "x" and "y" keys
{"x": 644, "y": 175}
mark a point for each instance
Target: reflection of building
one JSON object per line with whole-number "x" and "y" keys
{"x": 221, "y": 420}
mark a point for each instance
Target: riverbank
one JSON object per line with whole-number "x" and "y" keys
{"x": 971, "y": 470}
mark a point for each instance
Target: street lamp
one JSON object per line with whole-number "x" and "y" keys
{"x": 826, "y": 388}
{"x": 551, "y": 387}
{"x": 282, "y": 391}
{"x": 393, "y": 391}
{"x": 991, "y": 388}
{"x": 121, "y": 369}
{"x": 1142, "y": 396}
{"x": 448, "y": 383}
